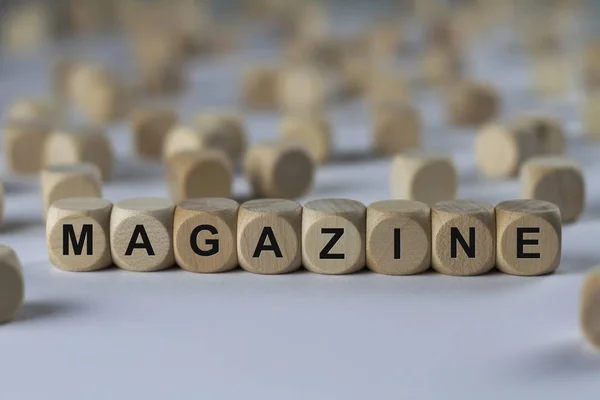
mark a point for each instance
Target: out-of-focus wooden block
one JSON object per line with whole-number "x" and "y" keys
{"x": 77, "y": 234}
{"x": 279, "y": 170}
{"x": 12, "y": 285}
{"x": 589, "y": 309}
{"x": 551, "y": 74}
{"x": 548, "y": 131}
{"x": 80, "y": 145}
{"x": 333, "y": 236}
{"x": 150, "y": 126}
{"x": 423, "y": 177}
{"x": 25, "y": 26}
{"x": 24, "y": 142}
{"x": 396, "y": 128}
{"x": 204, "y": 173}
{"x": 398, "y": 237}
{"x": 141, "y": 234}
{"x": 35, "y": 109}
{"x": 500, "y": 150}
{"x": 205, "y": 234}
{"x": 98, "y": 92}
{"x": 387, "y": 87}
{"x": 269, "y": 236}
{"x": 313, "y": 131}
{"x": 259, "y": 87}
{"x": 472, "y": 103}
{"x": 70, "y": 180}
{"x": 591, "y": 67}
{"x": 528, "y": 238}
{"x": 355, "y": 74}
{"x": 557, "y": 180}
{"x": 591, "y": 115}
{"x": 463, "y": 237}
{"x": 224, "y": 131}
{"x": 1, "y": 202}
{"x": 303, "y": 88}
{"x": 441, "y": 66}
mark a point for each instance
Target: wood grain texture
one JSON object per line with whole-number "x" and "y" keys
{"x": 396, "y": 128}
{"x": 78, "y": 234}
{"x": 472, "y": 103}
{"x": 12, "y": 285}
{"x": 80, "y": 145}
{"x": 224, "y": 131}
{"x": 204, "y": 173}
{"x": 279, "y": 170}
{"x": 269, "y": 236}
{"x": 141, "y": 234}
{"x": 333, "y": 236}
{"x": 312, "y": 131}
{"x": 24, "y": 142}
{"x": 473, "y": 223}
{"x": 398, "y": 237}
{"x": 589, "y": 309}
{"x": 528, "y": 238}
{"x": 419, "y": 176}
{"x": 259, "y": 87}
{"x": 205, "y": 234}
{"x": 558, "y": 180}
{"x": 69, "y": 180}
{"x": 500, "y": 150}
{"x": 150, "y": 126}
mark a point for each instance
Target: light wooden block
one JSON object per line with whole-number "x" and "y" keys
{"x": 48, "y": 112}
{"x": 24, "y": 142}
{"x": 398, "y": 237}
{"x": 269, "y": 236}
{"x": 419, "y": 176}
{"x": 194, "y": 174}
{"x": 224, "y": 131}
{"x": 80, "y": 145}
{"x": 78, "y": 234}
{"x": 70, "y": 180}
{"x": 472, "y": 103}
{"x": 259, "y": 87}
{"x": 205, "y": 234}
{"x": 141, "y": 234}
{"x": 25, "y": 26}
{"x": 589, "y": 309}
{"x": 555, "y": 179}
{"x": 387, "y": 87}
{"x": 550, "y": 74}
{"x": 333, "y": 236}
{"x": 500, "y": 150}
{"x": 2, "y": 200}
{"x": 302, "y": 88}
{"x": 463, "y": 237}
{"x": 591, "y": 67}
{"x": 279, "y": 170}
{"x": 549, "y": 132}
{"x": 441, "y": 66}
{"x": 313, "y": 131}
{"x": 396, "y": 128}
{"x": 150, "y": 127}
{"x": 12, "y": 285}
{"x": 528, "y": 238}
{"x": 591, "y": 115}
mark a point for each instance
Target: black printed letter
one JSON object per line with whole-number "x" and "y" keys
{"x": 522, "y": 242}
{"x": 133, "y": 244}
{"x": 261, "y": 246}
{"x": 455, "y": 236}
{"x": 337, "y": 235}
{"x": 86, "y": 234}
{"x": 214, "y": 243}
{"x": 397, "y": 247}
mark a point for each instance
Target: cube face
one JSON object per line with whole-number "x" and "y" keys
{"x": 67, "y": 181}
{"x": 312, "y": 132}
{"x": 150, "y": 127}
{"x": 397, "y": 128}
{"x": 24, "y": 143}
{"x": 529, "y": 237}
{"x": 589, "y": 314}
{"x": 12, "y": 288}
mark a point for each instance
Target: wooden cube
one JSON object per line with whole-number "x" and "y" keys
{"x": 589, "y": 310}
{"x": 591, "y": 115}
{"x": 80, "y": 145}
{"x": 396, "y": 128}
{"x": 205, "y": 234}
{"x": 141, "y": 234}
{"x": 70, "y": 180}
{"x": 150, "y": 126}
{"x": 429, "y": 178}
{"x": 78, "y": 234}
{"x": 312, "y": 131}
{"x": 302, "y": 88}
{"x": 550, "y": 74}
{"x": 25, "y": 26}
{"x": 269, "y": 236}
{"x": 224, "y": 131}
{"x": 472, "y": 104}
{"x": 12, "y": 286}
{"x": 387, "y": 87}
{"x": 528, "y": 238}
{"x": 24, "y": 142}
{"x": 441, "y": 66}
{"x": 500, "y": 150}
{"x": 279, "y": 170}
{"x": 48, "y": 112}
{"x": 259, "y": 87}
{"x": 333, "y": 236}
{"x": 463, "y": 237}
{"x": 549, "y": 132}
{"x": 398, "y": 237}
{"x": 1, "y": 203}
{"x": 205, "y": 173}
{"x": 555, "y": 179}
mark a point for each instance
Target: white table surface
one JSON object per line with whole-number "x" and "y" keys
{"x": 173, "y": 334}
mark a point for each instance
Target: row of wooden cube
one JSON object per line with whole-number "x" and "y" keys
{"x": 327, "y": 236}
